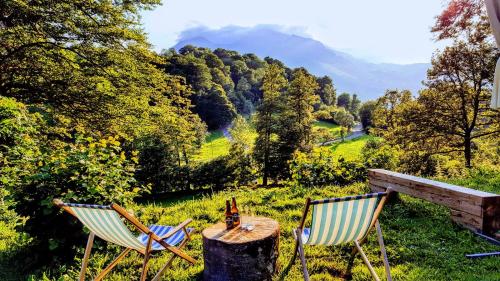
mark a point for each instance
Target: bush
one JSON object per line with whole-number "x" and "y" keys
{"x": 87, "y": 171}
{"x": 321, "y": 167}
{"x": 377, "y": 155}
{"x": 159, "y": 166}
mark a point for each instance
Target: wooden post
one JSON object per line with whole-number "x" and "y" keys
{"x": 88, "y": 248}
{"x": 146, "y": 257}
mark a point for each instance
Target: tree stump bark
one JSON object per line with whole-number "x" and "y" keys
{"x": 239, "y": 254}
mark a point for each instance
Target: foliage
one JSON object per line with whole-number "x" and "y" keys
{"x": 88, "y": 61}
{"x": 452, "y": 115}
{"x": 366, "y": 112}
{"x": 326, "y": 91}
{"x": 87, "y": 171}
{"x": 297, "y": 117}
{"x": 344, "y": 100}
{"x": 322, "y": 167}
{"x": 378, "y": 155}
{"x": 354, "y": 107}
{"x": 345, "y": 120}
{"x": 267, "y": 121}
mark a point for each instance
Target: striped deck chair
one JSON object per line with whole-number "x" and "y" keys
{"x": 341, "y": 220}
{"x": 106, "y": 223}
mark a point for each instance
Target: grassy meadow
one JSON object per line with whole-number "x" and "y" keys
{"x": 421, "y": 240}
{"x": 216, "y": 144}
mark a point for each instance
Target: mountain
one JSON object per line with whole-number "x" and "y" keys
{"x": 349, "y": 74}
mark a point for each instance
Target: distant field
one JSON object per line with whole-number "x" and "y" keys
{"x": 215, "y": 145}
{"x": 351, "y": 149}
{"x": 333, "y": 128}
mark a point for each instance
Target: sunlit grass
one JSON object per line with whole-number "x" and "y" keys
{"x": 421, "y": 241}
{"x": 350, "y": 149}
{"x": 216, "y": 145}
{"x": 334, "y": 129}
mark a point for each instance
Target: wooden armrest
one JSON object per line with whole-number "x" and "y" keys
{"x": 177, "y": 228}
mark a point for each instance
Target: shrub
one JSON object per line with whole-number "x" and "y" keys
{"x": 377, "y": 155}
{"x": 83, "y": 171}
{"x": 321, "y": 167}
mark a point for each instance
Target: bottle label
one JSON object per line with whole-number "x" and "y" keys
{"x": 236, "y": 219}
{"x": 229, "y": 223}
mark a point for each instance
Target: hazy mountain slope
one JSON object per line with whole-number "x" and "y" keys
{"x": 368, "y": 80}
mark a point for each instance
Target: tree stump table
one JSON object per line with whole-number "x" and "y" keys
{"x": 239, "y": 254}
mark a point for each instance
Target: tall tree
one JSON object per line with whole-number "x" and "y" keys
{"x": 453, "y": 112}
{"x": 85, "y": 60}
{"x": 326, "y": 90}
{"x": 366, "y": 114}
{"x": 267, "y": 119}
{"x": 344, "y": 100}
{"x": 354, "y": 106}
{"x": 295, "y": 133}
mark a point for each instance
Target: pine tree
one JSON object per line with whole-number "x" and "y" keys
{"x": 273, "y": 84}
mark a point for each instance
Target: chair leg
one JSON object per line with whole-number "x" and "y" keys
{"x": 302, "y": 255}
{"x": 88, "y": 248}
{"x": 147, "y": 254}
{"x": 367, "y": 262}
{"x": 112, "y": 264}
{"x": 383, "y": 251}
{"x": 169, "y": 262}
{"x": 292, "y": 261}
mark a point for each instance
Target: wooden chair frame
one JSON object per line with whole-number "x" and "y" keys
{"x": 299, "y": 247}
{"x": 176, "y": 251}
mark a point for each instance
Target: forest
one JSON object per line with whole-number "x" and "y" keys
{"x": 89, "y": 113}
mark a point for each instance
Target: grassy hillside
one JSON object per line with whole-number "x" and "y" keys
{"x": 350, "y": 149}
{"x": 334, "y": 129}
{"x": 421, "y": 240}
{"x": 216, "y": 144}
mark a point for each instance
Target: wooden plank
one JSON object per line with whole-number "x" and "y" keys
{"x": 473, "y": 209}
{"x": 425, "y": 185}
{"x": 428, "y": 182}
{"x": 459, "y": 203}
{"x": 467, "y": 220}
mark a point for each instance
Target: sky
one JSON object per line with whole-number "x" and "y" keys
{"x": 389, "y": 31}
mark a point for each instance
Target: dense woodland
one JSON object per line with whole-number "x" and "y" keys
{"x": 90, "y": 114}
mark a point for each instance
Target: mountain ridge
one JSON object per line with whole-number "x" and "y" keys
{"x": 349, "y": 74}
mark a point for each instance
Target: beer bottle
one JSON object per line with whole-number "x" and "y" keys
{"x": 229, "y": 216}
{"x": 235, "y": 213}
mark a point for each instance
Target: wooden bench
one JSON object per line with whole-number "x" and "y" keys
{"x": 473, "y": 209}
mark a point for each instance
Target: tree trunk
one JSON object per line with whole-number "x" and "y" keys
{"x": 467, "y": 150}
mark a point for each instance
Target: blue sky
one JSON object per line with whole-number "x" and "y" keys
{"x": 393, "y": 31}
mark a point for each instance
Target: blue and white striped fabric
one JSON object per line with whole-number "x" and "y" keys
{"x": 340, "y": 222}
{"x": 107, "y": 225}
{"x": 161, "y": 230}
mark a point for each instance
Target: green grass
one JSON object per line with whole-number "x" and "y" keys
{"x": 350, "y": 149}
{"x": 215, "y": 145}
{"x": 422, "y": 242}
{"x": 334, "y": 129}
